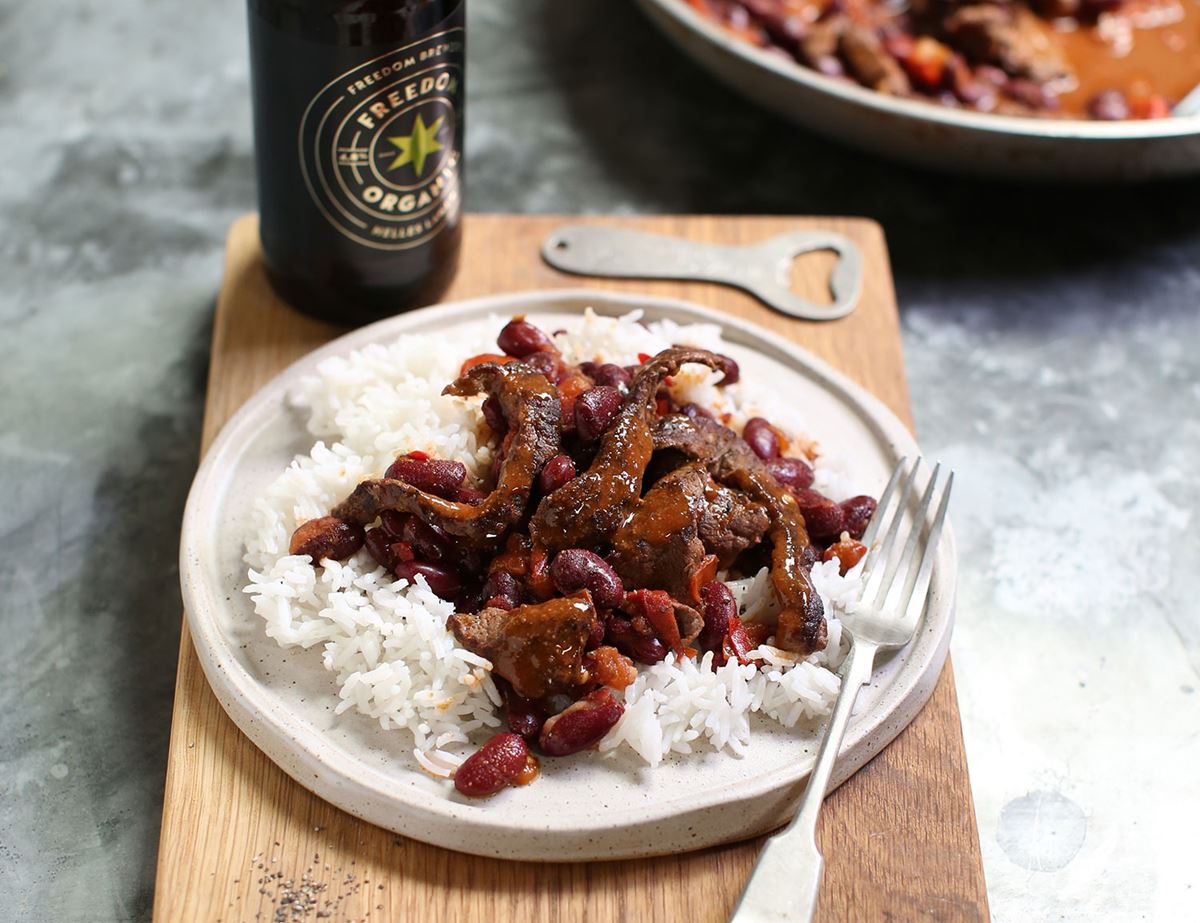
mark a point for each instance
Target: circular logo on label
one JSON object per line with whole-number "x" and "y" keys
{"x": 378, "y": 146}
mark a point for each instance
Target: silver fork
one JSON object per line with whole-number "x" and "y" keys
{"x": 784, "y": 883}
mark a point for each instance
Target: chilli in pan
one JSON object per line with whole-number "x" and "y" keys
{"x": 1099, "y": 59}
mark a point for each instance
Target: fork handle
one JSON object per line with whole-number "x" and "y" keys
{"x": 783, "y": 884}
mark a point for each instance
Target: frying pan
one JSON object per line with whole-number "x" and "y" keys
{"x": 928, "y": 135}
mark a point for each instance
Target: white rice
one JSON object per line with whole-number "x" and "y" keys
{"x": 386, "y": 642}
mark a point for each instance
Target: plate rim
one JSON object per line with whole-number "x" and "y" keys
{"x": 251, "y": 705}
{"x": 983, "y": 122}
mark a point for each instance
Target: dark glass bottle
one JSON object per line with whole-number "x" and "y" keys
{"x": 358, "y": 127}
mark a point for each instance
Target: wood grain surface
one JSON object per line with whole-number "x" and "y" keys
{"x": 241, "y": 841}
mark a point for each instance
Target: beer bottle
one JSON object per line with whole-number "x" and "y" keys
{"x": 358, "y": 127}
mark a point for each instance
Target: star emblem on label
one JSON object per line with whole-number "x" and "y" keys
{"x": 415, "y": 148}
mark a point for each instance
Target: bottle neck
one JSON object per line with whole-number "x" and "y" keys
{"x": 354, "y": 23}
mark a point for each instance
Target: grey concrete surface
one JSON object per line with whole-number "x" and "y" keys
{"x": 1052, "y": 343}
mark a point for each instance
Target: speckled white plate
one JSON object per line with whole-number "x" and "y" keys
{"x": 585, "y": 806}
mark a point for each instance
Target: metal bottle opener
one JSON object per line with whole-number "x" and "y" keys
{"x": 760, "y": 269}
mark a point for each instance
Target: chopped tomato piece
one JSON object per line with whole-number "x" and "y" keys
{"x": 1151, "y": 106}
{"x": 926, "y": 65}
{"x": 569, "y": 390}
{"x": 757, "y": 632}
{"x": 610, "y": 667}
{"x": 514, "y": 558}
{"x": 659, "y": 611}
{"x": 539, "y": 573}
{"x": 847, "y": 551}
{"x": 481, "y": 359}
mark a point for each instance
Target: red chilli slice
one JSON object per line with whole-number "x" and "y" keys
{"x": 737, "y": 643}
{"x": 705, "y": 572}
{"x": 659, "y": 611}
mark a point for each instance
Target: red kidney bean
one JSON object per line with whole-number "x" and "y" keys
{"x": 549, "y": 363}
{"x": 494, "y": 416}
{"x": 1109, "y": 106}
{"x": 578, "y": 569}
{"x": 520, "y": 338}
{"x": 762, "y": 438}
{"x": 428, "y": 543}
{"x": 718, "y": 607}
{"x": 822, "y": 517}
{"x": 829, "y": 65}
{"x": 693, "y": 411}
{"x": 582, "y": 724}
{"x": 990, "y": 74}
{"x": 858, "y": 512}
{"x": 732, "y": 370}
{"x": 501, "y": 590}
{"x": 442, "y": 581}
{"x": 433, "y": 475}
{"x": 392, "y": 522}
{"x": 596, "y": 638}
{"x": 470, "y": 561}
{"x": 595, "y": 411}
{"x": 556, "y": 473}
{"x": 327, "y": 537}
{"x": 899, "y": 44}
{"x": 612, "y": 376}
{"x": 470, "y": 495}
{"x": 379, "y": 543}
{"x": 643, "y": 648}
{"x": 498, "y": 763}
{"x": 1030, "y": 93}
{"x": 524, "y": 716}
{"x": 975, "y": 93}
{"x": 790, "y": 472}
{"x": 589, "y": 368}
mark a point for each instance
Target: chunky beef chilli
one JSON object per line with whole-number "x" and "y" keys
{"x": 600, "y": 540}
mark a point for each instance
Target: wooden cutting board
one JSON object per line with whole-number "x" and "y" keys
{"x": 241, "y": 841}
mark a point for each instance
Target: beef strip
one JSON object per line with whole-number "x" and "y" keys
{"x": 659, "y": 546}
{"x": 538, "y": 648}
{"x": 1009, "y": 37}
{"x": 530, "y": 404}
{"x": 731, "y": 522}
{"x": 870, "y": 63}
{"x": 821, "y": 39}
{"x": 801, "y": 625}
{"x": 690, "y": 622}
{"x": 586, "y": 511}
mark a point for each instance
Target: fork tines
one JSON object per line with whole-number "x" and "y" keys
{"x": 887, "y": 555}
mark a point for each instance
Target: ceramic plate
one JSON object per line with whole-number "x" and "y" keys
{"x": 584, "y": 806}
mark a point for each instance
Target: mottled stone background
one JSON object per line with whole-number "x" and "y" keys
{"x": 1052, "y": 340}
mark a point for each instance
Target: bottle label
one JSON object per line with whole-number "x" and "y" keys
{"x": 379, "y": 146}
